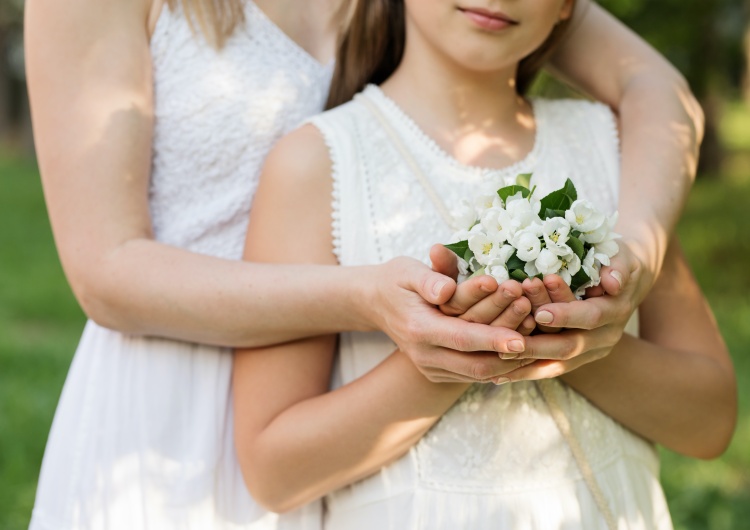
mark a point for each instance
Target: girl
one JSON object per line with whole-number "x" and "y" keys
{"x": 151, "y": 122}
{"x": 370, "y": 178}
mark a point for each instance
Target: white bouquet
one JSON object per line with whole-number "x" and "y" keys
{"x": 512, "y": 235}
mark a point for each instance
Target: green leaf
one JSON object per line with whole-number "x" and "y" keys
{"x": 514, "y": 262}
{"x": 561, "y": 199}
{"x": 458, "y": 248}
{"x": 576, "y": 233}
{"x": 524, "y": 179}
{"x": 579, "y": 279}
{"x": 540, "y": 276}
{"x": 509, "y": 191}
{"x": 576, "y": 246}
{"x": 518, "y": 275}
{"x": 549, "y": 212}
{"x": 468, "y": 255}
{"x": 478, "y": 272}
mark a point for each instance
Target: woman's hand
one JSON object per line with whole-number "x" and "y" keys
{"x": 492, "y": 319}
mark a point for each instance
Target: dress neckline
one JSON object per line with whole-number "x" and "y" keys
{"x": 288, "y": 41}
{"x": 399, "y": 116}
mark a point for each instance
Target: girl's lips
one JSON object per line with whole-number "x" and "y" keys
{"x": 488, "y": 20}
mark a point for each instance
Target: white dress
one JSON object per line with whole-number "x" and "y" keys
{"x": 496, "y": 460}
{"x": 142, "y": 437}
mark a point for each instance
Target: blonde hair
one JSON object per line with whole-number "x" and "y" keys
{"x": 215, "y": 19}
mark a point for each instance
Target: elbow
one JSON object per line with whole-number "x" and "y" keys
{"x": 266, "y": 482}
{"x": 98, "y": 299}
{"x": 268, "y": 490}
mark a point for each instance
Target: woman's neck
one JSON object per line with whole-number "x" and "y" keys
{"x": 477, "y": 117}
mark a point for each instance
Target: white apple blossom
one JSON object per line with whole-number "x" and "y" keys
{"x": 606, "y": 249}
{"x": 527, "y": 242}
{"x": 485, "y": 247}
{"x": 571, "y": 264}
{"x": 524, "y": 212}
{"x": 584, "y": 217}
{"x": 498, "y": 270}
{"x": 600, "y": 234}
{"x": 499, "y": 223}
{"x": 495, "y": 229}
{"x": 556, "y": 232}
{"x": 463, "y": 267}
{"x": 591, "y": 269}
{"x": 465, "y": 214}
{"x": 547, "y": 263}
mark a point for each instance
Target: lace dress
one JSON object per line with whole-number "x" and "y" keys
{"x": 142, "y": 437}
{"x": 496, "y": 460}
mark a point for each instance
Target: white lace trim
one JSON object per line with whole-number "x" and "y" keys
{"x": 397, "y": 114}
{"x": 333, "y": 154}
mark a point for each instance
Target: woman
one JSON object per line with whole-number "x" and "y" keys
{"x": 128, "y": 102}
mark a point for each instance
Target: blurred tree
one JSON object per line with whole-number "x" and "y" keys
{"x": 14, "y": 115}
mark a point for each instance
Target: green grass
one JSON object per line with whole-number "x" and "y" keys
{"x": 40, "y": 324}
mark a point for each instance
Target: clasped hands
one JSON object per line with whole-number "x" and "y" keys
{"x": 573, "y": 332}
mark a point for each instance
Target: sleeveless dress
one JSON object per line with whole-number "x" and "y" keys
{"x": 496, "y": 459}
{"x": 142, "y": 437}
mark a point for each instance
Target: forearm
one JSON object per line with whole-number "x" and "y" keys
{"x": 671, "y": 397}
{"x": 661, "y": 124}
{"x": 217, "y": 301}
{"x": 334, "y": 439}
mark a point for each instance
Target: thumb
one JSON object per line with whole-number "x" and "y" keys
{"x": 434, "y": 287}
{"x": 444, "y": 261}
{"x": 614, "y": 277}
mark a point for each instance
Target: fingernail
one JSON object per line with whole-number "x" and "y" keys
{"x": 501, "y": 380}
{"x": 516, "y": 346}
{"x": 617, "y": 276}
{"x": 508, "y": 356}
{"x": 507, "y": 294}
{"x": 438, "y": 287}
{"x": 544, "y": 317}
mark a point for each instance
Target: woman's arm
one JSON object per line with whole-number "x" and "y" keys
{"x": 661, "y": 125}
{"x": 90, "y": 83}
{"x": 675, "y": 385}
{"x": 295, "y": 442}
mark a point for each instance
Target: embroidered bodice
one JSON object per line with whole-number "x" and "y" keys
{"x": 218, "y": 113}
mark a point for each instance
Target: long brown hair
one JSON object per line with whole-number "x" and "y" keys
{"x": 215, "y": 19}
{"x": 372, "y": 42}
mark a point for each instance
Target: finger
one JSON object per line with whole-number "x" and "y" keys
{"x": 468, "y": 294}
{"x": 557, "y": 346}
{"x": 557, "y": 289}
{"x": 488, "y": 310}
{"x": 613, "y": 279}
{"x": 527, "y": 326}
{"x": 593, "y": 292}
{"x": 586, "y": 314}
{"x": 536, "y": 292}
{"x": 543, "y": 369}
{"x": 433, "y": 287}
{"x": 453, "y": 366}
{"x": 444, "y": 261}
{"x": 514, "y": 315}
{"x": 456, "y": 334}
